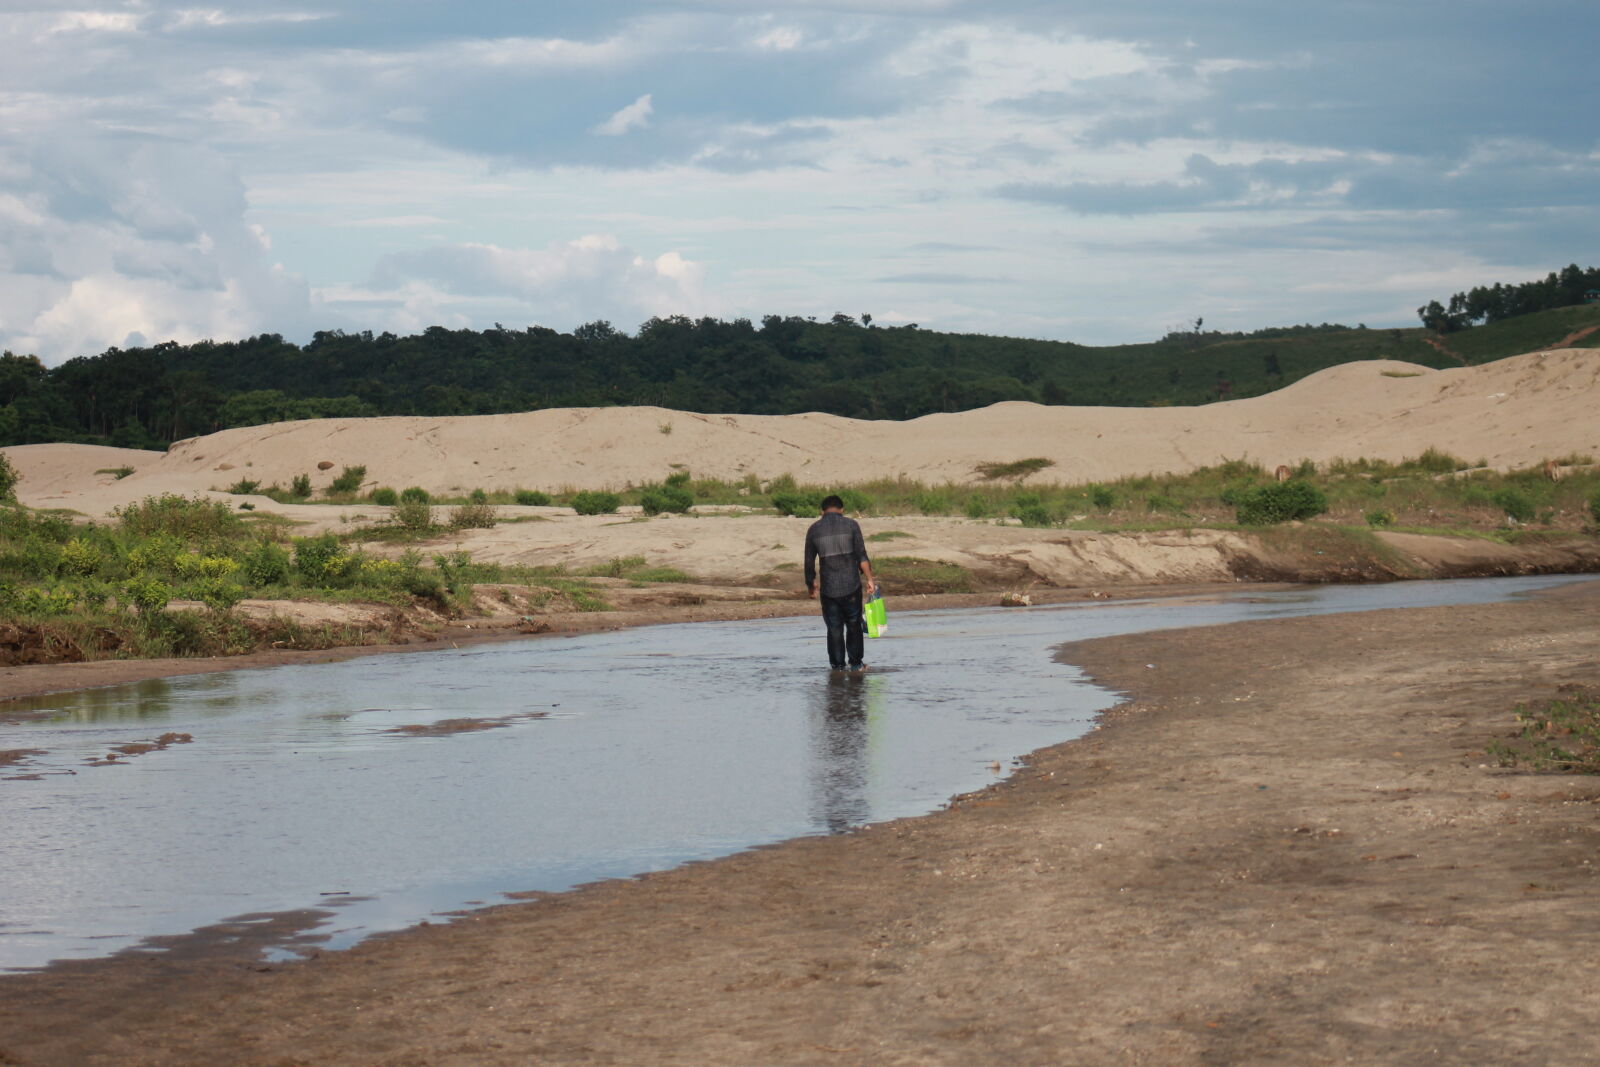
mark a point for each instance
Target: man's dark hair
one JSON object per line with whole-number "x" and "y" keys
{"x": 833, "y": 501}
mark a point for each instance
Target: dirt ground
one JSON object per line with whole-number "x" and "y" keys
{"x": 1286, "y": 848}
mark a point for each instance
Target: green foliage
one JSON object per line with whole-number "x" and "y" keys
{"x": 596, "y": 503}
{"x": 1029, "y": 509}
{"x": 38, "y": 601}
{"x": 193, "y": 519}
{"x": 148, "y": 595}
{"x": 532, "y": 498}
{"x": 348, "y": 481}
{"x": 79, "y": 559}
{"x": 300, "y": 486}
{"x": 414, "y": 495}
{"x": 413, "y": 516}
{"x": 976, "y": 507}
{"x": 1102, "y": 497}
{"x": 478, "y": 515}
{"x": 322, "y": 560}
{"x": 1439, "y": 462}
{"x": 680, "y": 479}
{"x": 266, "y": 564}
{"x": 1016, "y": 469}
{"x": 1560, "y": 735}
{"x": 117, "y": 472}
{"x": 802, "y": 505}
{"x": 1281, "y": 502}
{"x": 1380, "y": 519}
{"x": 936, "y": 503}
{"x": 908, "y": 574}
{"x": 8, "y": 478}
{"x": 1594, "y": 507}
{"x": 385, "y": 497}
{"x": 244, "y": 486}
{"x": 1515, "y": 504}
{"x": 477, "y": 496}
{"x": 669, "y": 496}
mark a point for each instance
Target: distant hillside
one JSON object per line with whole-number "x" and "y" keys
{"x": 149, "y": 397}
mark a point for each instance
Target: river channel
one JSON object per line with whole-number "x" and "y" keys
{"x": 333, "y": 792}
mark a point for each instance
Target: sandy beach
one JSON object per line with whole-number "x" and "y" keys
{"x": 1285, "y": 847}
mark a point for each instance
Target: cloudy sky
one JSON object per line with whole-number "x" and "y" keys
{"x": 1094, "y": 171}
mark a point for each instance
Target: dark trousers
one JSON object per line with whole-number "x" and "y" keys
{"x": 846, "y": 628}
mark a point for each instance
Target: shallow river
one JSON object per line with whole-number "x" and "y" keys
{"x": 620, "y": 753}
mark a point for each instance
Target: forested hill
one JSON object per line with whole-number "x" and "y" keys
{"x": 148, "y": 397}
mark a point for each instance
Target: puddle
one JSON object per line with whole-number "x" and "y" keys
{"x": 377, "y": 792}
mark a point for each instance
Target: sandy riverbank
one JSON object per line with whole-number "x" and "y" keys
{"x": 1283, "y": 849}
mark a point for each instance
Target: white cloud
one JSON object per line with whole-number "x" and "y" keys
{"x": 562, "y": 285}
{"x": 103, "y": 238}
{"x": 632, "y": 117}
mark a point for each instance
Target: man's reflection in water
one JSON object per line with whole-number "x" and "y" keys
{"x": 848, "y": 702}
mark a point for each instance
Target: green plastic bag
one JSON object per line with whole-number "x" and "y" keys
{"x": 877, "y": 615}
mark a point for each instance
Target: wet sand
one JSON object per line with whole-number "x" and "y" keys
{"x": 1283, "y": 849}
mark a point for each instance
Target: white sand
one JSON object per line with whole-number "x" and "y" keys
{"x": 1512, "y": 412}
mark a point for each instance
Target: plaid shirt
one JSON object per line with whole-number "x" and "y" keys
{"x": 837, "y": 540}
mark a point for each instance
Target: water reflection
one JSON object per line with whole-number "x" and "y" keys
{"x": 841, "y": 742}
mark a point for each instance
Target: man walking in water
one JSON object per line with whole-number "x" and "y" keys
{"x": 837, "y": 540}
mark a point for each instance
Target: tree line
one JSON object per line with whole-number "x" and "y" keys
{"x": 148, "y": 397}
{"x": 1498, "y": 302}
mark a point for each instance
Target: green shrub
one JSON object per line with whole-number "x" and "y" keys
{"x": 1029, "y": 509}
{"x": 218, "y": 594}
{"x": 934, "y": 503}
{"x": 149, "y": 596}
{"x": 79, "y": 559}
{"x": 1514, "y": 504}
{"x": 678, "y": 478}
{"x": 321, "y": 561}
{"x": 478, "y": 515}
{"x": 38, "y": 600}
{"x": 1379, "y": 519}
{"x": 855, "y": 501}
{"x": 532, "y": 498}
{"x": 8, "y": 478}
{"x": 1437, "y": 462}
{"x": 349, "y": 481}
{"x": 413, "y": 515}
{"x": 155, "y": 555}
{"x": 477, "y": 496}
{"x": 1281, "y": 502}
{"x": 667, "y": 497}
{"x": 414, "y": 495}
{"x": 266, "y": 564}
{"x": 300, "y": 486}
{"x": 385, "y": 497}
{"x": 1103, "y": 497}
{"x": 244, "y": 485}
{"x": 976, "y": 507}
{"x": 803, "y": 505}
{"x": 596, "y": 503}
{"x": 1594, "y": 507}
{"x": 189, "y": 518}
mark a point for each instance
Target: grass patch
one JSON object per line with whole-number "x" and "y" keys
{"x": 1401, "y": 373}
{"x": 1561, "y": 735}
{"x": 909, "y": 574}
{"x": 635, "y": 568}
{"x": 886, "y": 535}
{"x": 119, "y": 472}
{"x": 1017, "y": 469}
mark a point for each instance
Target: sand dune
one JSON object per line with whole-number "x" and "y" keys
{"x": 1512, "y": 412}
